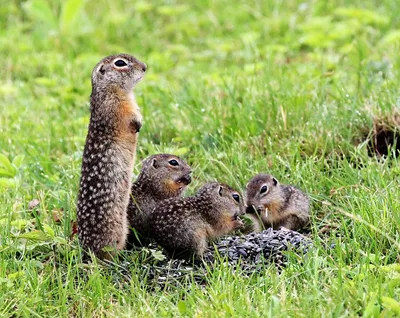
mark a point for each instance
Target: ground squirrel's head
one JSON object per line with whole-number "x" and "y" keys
{"x": 165, "y": 175}
{"x": 225, "y": 201}
{"x": 122, "y": 71}
{"x": 261, "y": 191}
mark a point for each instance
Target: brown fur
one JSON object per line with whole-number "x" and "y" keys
{"x": 108, "y": 156}
{"x": 172, "y": 186}
{"x": 200, "y": 236}
{"x": 286, "y": 206}
{"x": 157, "y": 181}
{"x": 226, "y": 224}
{"x": 184, "y": 226}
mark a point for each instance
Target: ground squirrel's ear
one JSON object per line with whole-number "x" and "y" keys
{"x": 275, "y": 181}
{"x": 101, "y": 69}
{"x": 154, "y": 163}
{"x": 220, "y": 191}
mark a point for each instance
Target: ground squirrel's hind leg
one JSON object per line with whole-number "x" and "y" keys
{"x": 293, "y": 222}
{"x": 201, "y": 247}
{"x": 193, "y": 249}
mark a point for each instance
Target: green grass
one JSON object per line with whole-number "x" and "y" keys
{"x": 236, "y": 88}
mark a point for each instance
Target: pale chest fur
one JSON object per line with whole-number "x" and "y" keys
{"x": 130, "y": 120}
{"x": 273, "y": 213}
{"x": 133, "y": 107}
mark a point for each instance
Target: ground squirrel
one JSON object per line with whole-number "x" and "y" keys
{"x": 183, "y": 226}
{"x": 109, "y": 154}
{"x": 276, "y": 204}
{"x": 163, "y": 176}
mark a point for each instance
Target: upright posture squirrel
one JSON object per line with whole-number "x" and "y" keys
{"x": 163, "y": 176}
{"x": 276, "y": 204}
{"x": 183, "y": 226}
{"x": 109, "y": 155}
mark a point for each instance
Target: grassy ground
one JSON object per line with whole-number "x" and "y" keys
{"x": 236, "y": 88}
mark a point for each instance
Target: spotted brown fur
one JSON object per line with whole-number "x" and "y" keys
{"x": 108, "y": 156}
{"x": 157, "y": 181}
{"x": 279, "y": 206}
{"x": 184, "y": 226}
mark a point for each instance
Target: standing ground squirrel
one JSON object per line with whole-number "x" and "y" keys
{"x": 163, "y": 176}
{"x": 183, "y": 226}
{"x": 278, "y": 205}
{"x": 109, "y": 154}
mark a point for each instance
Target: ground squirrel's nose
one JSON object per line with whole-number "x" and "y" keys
{"x": 144, "y": 67}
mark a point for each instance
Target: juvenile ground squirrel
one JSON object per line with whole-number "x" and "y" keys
{"x": 109, "y": 155}
{"x": 183, "y": 226}
{"x": 163, "y": 176}
{"x": 276, "y": 204}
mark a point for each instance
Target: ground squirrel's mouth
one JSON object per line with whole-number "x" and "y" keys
{"x": 185, "y": 180}
{"x": 260, "y": 210}
{"x": 139, "y": 78}
{"x": 250, "y": 209}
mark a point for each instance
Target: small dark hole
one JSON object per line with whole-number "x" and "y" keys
{"x": 383, "y": 140}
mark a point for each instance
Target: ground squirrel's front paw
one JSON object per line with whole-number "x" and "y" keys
{"x": 135, "y": 126}
{"x": 238, "y": 224}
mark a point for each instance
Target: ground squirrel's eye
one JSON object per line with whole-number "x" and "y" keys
{"x": 120, "y": 63}
{"x": 236, "y": 197}
{"x": 173, "y": 162}
{"x": 264, "y": 189}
